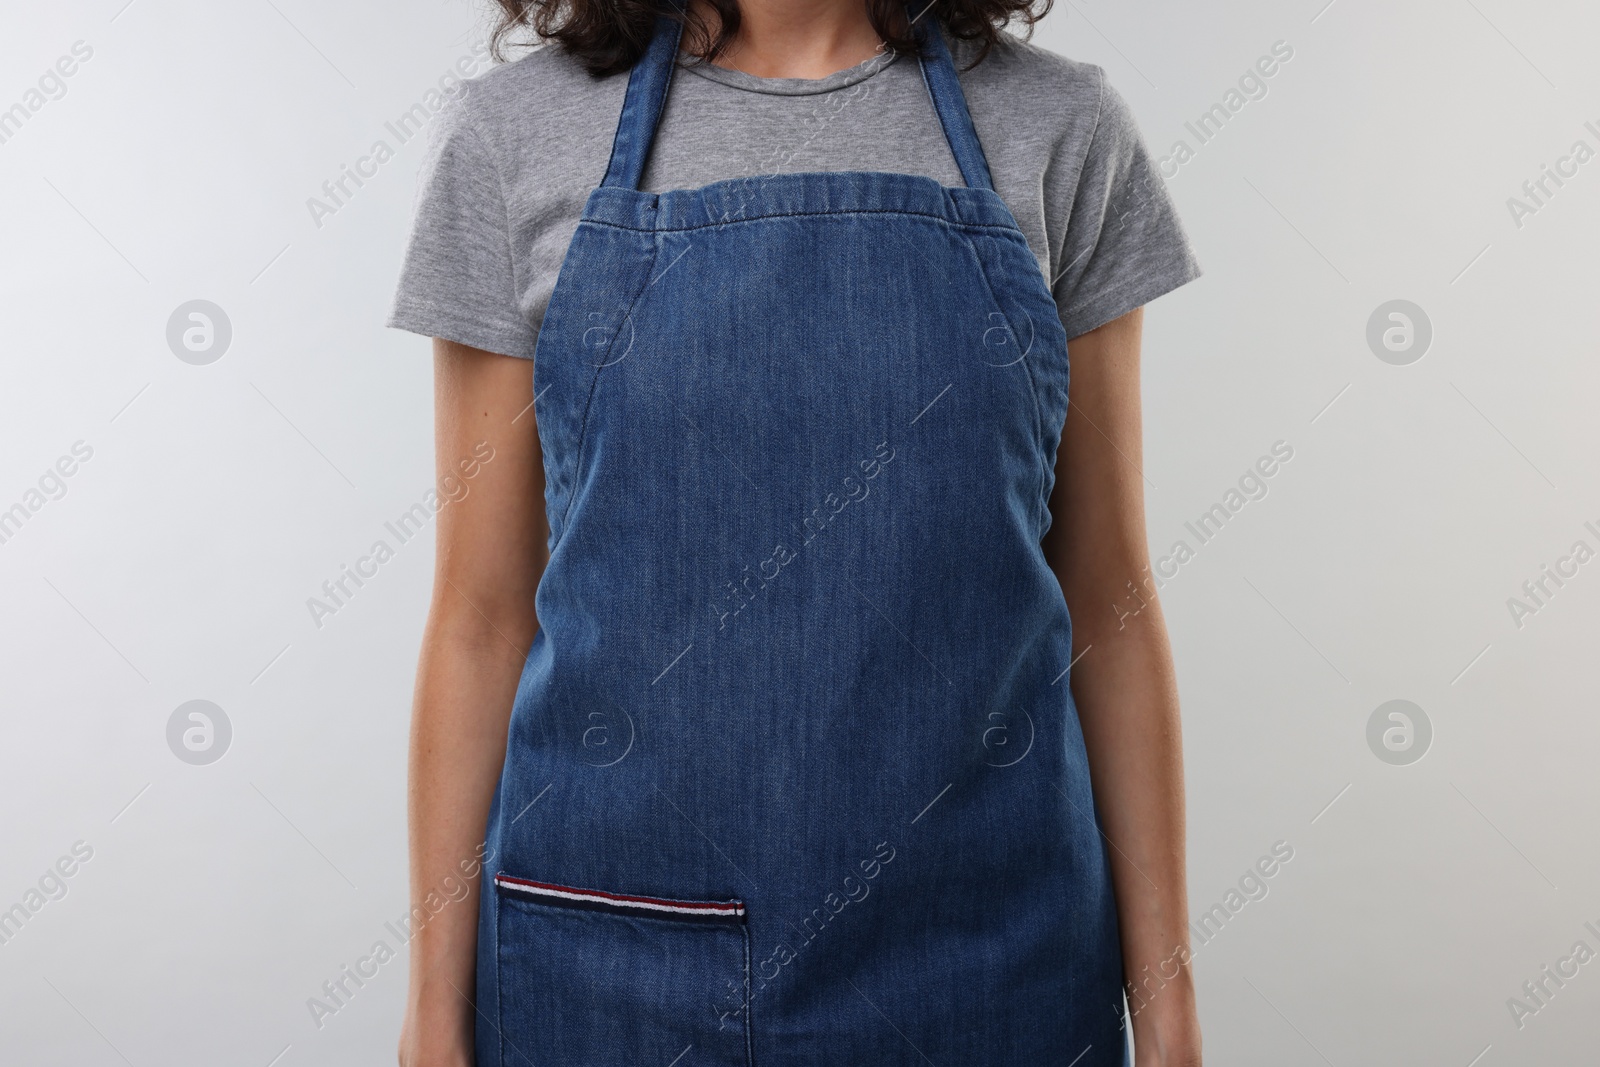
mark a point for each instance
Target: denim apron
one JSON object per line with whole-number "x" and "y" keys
{"x": 794, "y": 774}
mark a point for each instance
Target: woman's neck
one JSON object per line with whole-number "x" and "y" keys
{"x": 797, "y": 38}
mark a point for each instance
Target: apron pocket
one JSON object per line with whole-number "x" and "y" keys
{"x": 598, "y": 979}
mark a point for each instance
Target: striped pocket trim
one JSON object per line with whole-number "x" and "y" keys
{"x": 567, "y": 896}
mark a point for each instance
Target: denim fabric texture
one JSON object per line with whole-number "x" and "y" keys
{"x": 794, "y": 774}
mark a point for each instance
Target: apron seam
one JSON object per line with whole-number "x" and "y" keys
{"x": 499, "y": 1001}
{"x": 1033, "y": 388}
{"x": 1000, "y": 227}
{"x": 749, "y": 1027}
{"x": 594, "y": 382}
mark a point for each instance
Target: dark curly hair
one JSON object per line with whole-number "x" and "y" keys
{"x": 607, "y": 36}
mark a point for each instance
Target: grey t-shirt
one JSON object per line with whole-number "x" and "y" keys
{"x": 513, "y": 159}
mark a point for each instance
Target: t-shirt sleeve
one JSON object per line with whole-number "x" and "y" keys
{"x": 458, "y": 281}
{"x": 1124, "y": 245}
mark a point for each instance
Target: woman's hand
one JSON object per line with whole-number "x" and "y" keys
{"x": 1166, "y": 1031}
{"x": 437, "y": 1031}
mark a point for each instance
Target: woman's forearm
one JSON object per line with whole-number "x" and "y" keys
{"x": 466, "y": 681}
{"x": 1128, "y": 705}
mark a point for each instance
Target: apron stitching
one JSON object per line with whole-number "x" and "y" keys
{"x": 499, "y": 1001}
{"x": 1001, "y": 227}
{"x": 583, "y": 422}
{"x": 749, "y": 1030}
{"x": 1033, "y": 385}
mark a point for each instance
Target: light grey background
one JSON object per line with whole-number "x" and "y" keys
{"x": 176, "y": 567}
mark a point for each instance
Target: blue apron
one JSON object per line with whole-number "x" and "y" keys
{"x": 794, "y": 774}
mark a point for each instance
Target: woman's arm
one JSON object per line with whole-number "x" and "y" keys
{"x": 491, "y": 546}
{"x": 1124, "y": 685}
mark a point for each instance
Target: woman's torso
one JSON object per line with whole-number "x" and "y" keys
{"x": 799, "y": 642}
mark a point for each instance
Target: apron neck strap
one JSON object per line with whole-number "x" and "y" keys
{"x": 939, "y": 74}
{"x": 652, "y": 74}
{"x": 641, "y": 107}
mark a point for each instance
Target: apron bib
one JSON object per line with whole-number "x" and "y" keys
{"x": 794, "y": 774}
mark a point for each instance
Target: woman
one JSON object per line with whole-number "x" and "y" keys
{"x": 790, "y": 768}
